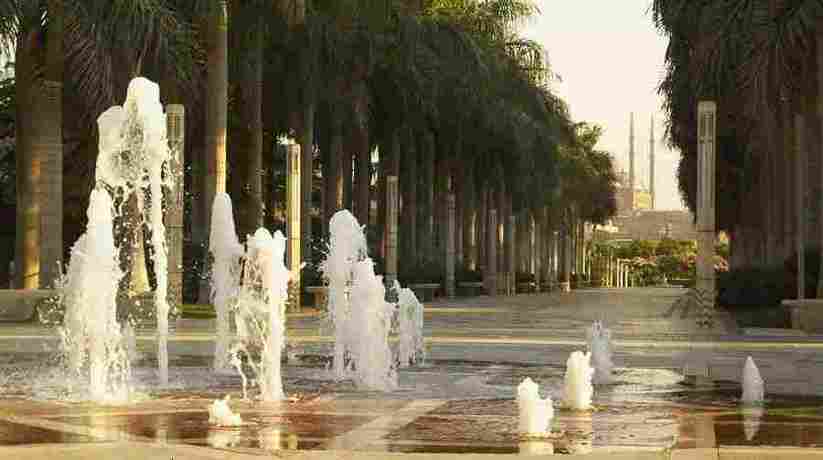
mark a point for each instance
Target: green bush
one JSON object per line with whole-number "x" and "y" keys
{"x": 463, "y": 275}
{"x": 524, "y": 277}
{"x": 430, "y": 272}
{"x": 766, "y": 287}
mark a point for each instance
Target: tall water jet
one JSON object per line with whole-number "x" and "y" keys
{"x": 411, "y": 349}
{"x": 91, "y": 337}
{"x": 578, "y": 381}
{"x": 371, "y": 354}
{"x": 347, "y": 245}
{"x": 535, "y": 413}
{"x": 261, "y": 309}
{"x": 133, "y": 155}
{"x": 751, "y": 421}
{"x": 752, "y": 383}
{"x": 599, "y": 339}
{"x": 226, "y": 252}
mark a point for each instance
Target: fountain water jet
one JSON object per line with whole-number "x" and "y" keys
{"x": 92, "y": 340}
{"x": 752, "y": 383}
{"x": 578, "y": 381}
{"x": 133, "y": 155}
{"x": 347, "y": 245}
{"x": 599, "y": 339}
{"x": 371, "y": 354}
{"x": 226, "y": 251}
{"x": 411, "y": 349}
{"x": 220, "y": 414}
{"x": 535, "y": 413}
{"x": 261, "y": 309}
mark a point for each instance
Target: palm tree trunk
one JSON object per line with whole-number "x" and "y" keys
{"x": 426, "y": 234}
{"x": 362, "y": 155}
{"x": 27, "y": 244}
{"x": 332, "y": 177}
{"x": 252, "y": 122}
{"x": 47, "y": 148}
{"x": 216, "y": 97}
{"x": 409, "y": 186}
{"x": 469, "y": 205}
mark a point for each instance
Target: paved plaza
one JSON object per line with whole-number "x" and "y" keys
{"x": 460, "y": 403}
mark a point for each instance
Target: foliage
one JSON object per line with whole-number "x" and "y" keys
{"x": 420, "y": 274}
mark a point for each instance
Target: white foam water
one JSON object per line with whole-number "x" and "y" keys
{"x": 599, "y": 339}
{"x": 535, "y": 413}
{"x": 371, "y": 354}
{"x": 132, "y": 157}
{"x": 220, "y": 414}
{"x": 411, "y": 349}
{"x": 261, "y": 309}
{"x": 347, "y": 246}
{"x": 578, "y": 381}
{"x": 753, "y": 387}
{"x": 227, "y": 253}
{"x": 92, "y": 341}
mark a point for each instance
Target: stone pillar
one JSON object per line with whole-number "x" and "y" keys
{"x": 566, "y": 258}
{"x": 800, "y": 204}
{"x": 705, "y": 289}
{"x": 294, "y": 198}
{"x": 390, "y": 275}
{"x": 512, "y": 262}
{"x": 176, "y": 134}
{"x": 490, "y": 273}
{"x": 450, "y": 246}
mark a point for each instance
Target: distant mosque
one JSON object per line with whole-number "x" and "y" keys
{"x": 637, "y": 218}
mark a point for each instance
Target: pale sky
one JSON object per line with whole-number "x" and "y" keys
{"x": 610, "y": 58}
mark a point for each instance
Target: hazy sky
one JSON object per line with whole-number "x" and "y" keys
{"x": 610, "y": 58}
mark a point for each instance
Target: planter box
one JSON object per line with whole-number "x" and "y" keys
{"x": 470, "y": 288}
{"x": 806, "y": 314}
{"x": 320, "y": 295}
{"x": 424, "y": 291}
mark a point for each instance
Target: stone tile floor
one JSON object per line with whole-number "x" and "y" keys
{"x": 460, "y": 402}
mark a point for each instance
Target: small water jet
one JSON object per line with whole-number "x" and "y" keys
{"x": 535, "y": 413}
{"x": 752, "y": 383}
{"x": 226, "y": 252}
{"x": 372, "y": 359}
{"x": 261, "y": 309}
{"x": 220, "y": 414}
{"x": 599, "y": 339}
{"x": 578, "y": 381}
{"x": 92, "y": 341}
{"x": 347, "y": 245}
{"x": 411, "y": 349}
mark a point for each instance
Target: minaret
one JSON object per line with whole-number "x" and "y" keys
{"x": 651, "y": 161}
{"x": 631, "y": 161}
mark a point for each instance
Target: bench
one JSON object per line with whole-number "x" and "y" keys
{"x": 424, "y": 291}
{"x": 20, "y": 305}
{"x": 320, "y": 296}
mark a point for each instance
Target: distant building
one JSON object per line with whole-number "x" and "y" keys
{"x": 636, "y": 217}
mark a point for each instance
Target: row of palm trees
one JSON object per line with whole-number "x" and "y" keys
{"x": 762, "y": 61}
{"x": 442, "y": 93}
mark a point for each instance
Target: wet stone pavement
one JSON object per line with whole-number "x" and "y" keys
{"x": 460, "y": 401}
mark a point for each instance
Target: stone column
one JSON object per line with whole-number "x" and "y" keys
{"x": 390, "y": 275}
{"x": 800, "y": 204}
{"x": 512, "y": 264}
{"x": 176, "y": 134}
{"x": 705, "y": 289}
{"x": 566, "y": 258}
{"x": 294, "y": 198}
{"x": 491, "y": 254}
{"x": 450, "y": 246}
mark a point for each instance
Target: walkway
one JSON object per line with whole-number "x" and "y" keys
{"x": 479, "y": 349}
